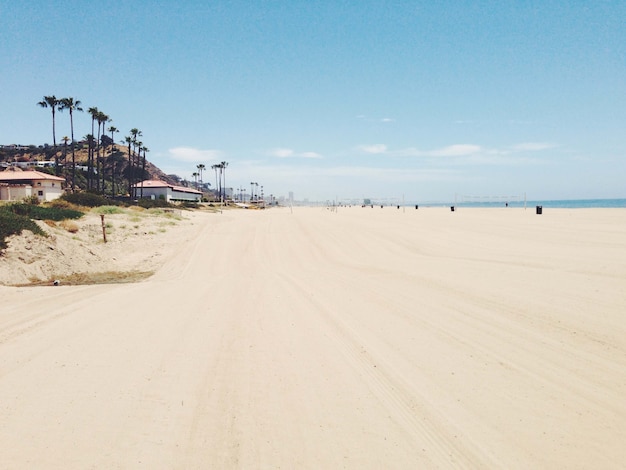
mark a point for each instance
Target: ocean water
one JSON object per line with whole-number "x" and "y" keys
{"x": 556, "y": 204}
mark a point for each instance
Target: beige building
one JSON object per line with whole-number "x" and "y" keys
{"x": 16, "y": 184}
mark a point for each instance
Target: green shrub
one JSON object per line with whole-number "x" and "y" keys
{"x": 13, "y": 224}
{"x": 43, "y": 213}
{"x": 34, "y": 200}
{"x": 87, "y": 199}
{"x": 150, "y": 203}
{"x": 108, "y": 210}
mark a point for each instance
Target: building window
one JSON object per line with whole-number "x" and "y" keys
{"x": 39, "y": 193}
{"x": 39, "y": 184}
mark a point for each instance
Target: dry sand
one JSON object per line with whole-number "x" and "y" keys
{"x": 363, "y": 338}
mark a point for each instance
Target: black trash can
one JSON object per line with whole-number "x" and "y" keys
{"x": 452, "y": 208}
{"x": 539, "y": 209}
{"x": 416, "y": 206}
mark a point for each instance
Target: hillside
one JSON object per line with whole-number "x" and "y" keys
{"x": 114, "y": 159}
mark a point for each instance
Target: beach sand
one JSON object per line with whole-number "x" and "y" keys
{"x": 358, "y": 338}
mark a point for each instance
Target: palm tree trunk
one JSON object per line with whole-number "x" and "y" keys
{"x": 90, "y": 156}
{"x": 96, "y": 161}
{"x": 129, "y": 171}
{"x": 143, "y": 172}
{"x": 73, "y": 155}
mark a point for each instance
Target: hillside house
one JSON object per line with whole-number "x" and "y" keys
{"x": 16, "y": 184}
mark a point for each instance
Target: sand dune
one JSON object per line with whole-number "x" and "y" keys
{"x": 362, "y": 338}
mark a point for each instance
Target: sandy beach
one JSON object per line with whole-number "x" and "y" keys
{"x": 357, "y": 338}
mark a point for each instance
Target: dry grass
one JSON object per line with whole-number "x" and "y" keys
{"x": 81, "y": 279}
{"x": 69, "y": 225}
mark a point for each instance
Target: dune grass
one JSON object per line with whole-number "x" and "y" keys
{"x": 82, "y": 279}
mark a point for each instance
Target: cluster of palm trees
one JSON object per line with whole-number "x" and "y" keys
{"x": 97, "y": 164}
{"x": 220, "y": 181}
{"x": 220, "y": 178}
{"x": 197, "y": 176}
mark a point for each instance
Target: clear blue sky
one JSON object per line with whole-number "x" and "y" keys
{"x": 335, "y": 98}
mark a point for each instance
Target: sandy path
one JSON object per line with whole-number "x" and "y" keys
{"x": 313, "y": 339}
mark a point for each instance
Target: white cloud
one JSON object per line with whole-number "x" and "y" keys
{"x": 375, "y": 148}
{"x": 281, "y": 153}
{"x": 457, "y": 150}
{"x": 189, "y": 154}
{"x": 290, "y": 153}
{"x": 387, "y": 120}
{"x": 310, "y": 155}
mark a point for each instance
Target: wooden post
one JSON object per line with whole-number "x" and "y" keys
{"x": 104, "y": 231}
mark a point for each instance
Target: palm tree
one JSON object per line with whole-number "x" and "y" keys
{"x": 65, "y": 140}
{"x": 112, "y": 130}
{"x": 94, "y": 116}
{"x": 102, "y": 120}
{"x": 129, "y": 169}
{"x": 71, "y": 105}
{"x": 223, "y": 166}
{"x": 53, "y": 103}
{"x": 217, "y": 185}
{"x": 134, "y": 132}
{"x": 200, "y": 168}
{"x": 114, "y": 162}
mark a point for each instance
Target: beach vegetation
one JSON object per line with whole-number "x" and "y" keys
{"x": 108, "y": 210}
{"x": 33, "y": 200}
{"x": 87, "y": 199}
{"x": 81, "y": 279}
{"x": 13, "y": 224}
{"x": 69, "y": 225}
{"x": 41, "y": 212}
{"x": 154, "y": 203}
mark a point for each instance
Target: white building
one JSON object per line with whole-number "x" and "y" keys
{"x": 156, "y": 189}
{"x": 16, "y": 184}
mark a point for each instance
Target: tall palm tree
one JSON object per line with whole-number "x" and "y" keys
{"x": 71, "y": 105}
{"x": 195, "y": 178}
{"x": 223, "y": 166}
{"x": 112, "y": 130}
{"x": 53, "y": 103}
{"x": 217, "y": 185}
{"x": 102, "y": 120}
{"x": 94, "y": 116}
{"x": 134, "y": 132}
{"x": 129, "y": 170}
{"x": 115, "y": 162}
{"x": 65, "y": 140}
{"x": 200, "y": 168}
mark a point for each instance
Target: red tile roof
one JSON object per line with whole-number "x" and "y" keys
{"x": 30, "y": 175}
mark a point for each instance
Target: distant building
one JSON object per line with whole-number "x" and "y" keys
{"x": 16, "y": 184}
{"x": 157, "y": 189}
